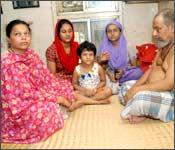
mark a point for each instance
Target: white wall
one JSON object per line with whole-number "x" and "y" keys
{"x": 137, "y": 22}
{"x": 42, "y": 27}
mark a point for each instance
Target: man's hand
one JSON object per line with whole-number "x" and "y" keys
{"x": 131, "y": 92}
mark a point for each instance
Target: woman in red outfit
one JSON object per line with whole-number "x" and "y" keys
{"x": 61, "y": 54}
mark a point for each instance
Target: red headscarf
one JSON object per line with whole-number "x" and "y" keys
{"x": 68, "y": 61}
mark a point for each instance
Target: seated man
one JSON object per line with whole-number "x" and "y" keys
{"x": 153, "y": 95}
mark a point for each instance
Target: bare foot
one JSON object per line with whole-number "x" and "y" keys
{"x": 83, "y": 100}
{"x": 136, "y": 119}
{"x": 105, "y": 101}
{"x": 75, "y": 105}
{"x": 90, "y": 101}
{"x": 63, "y": 101}
{"x": 78, "y": 104}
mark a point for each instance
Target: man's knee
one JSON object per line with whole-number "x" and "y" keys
{"x": 141, "y": 102}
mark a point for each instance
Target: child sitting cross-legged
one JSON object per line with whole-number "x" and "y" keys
{"x": 89, "y": 78}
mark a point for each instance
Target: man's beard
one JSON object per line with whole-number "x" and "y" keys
{"x": 161, "y": 44}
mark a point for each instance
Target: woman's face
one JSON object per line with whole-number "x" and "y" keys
{"x": 113, "y": 32}
{"x": 20, "y": 37}
{"x": 66, "y": 33}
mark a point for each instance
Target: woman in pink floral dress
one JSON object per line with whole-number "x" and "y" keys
{"x": 30, "y": 93}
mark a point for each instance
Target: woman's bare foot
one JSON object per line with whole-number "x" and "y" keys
{"x": 75, "y": 104}
{"x": 136, "y": 119}
{"x": 63, "y": 101}
{"x": 104, "y": 101}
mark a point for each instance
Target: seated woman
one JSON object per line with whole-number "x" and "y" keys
{"x": 30, "y": 93}
{"x": 61, "y": 54}
{"x": 113, "y": 50}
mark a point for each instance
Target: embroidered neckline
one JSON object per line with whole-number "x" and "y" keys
{"x": 90, "y": 71}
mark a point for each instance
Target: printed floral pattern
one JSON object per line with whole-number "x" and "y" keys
{"x": 29, "y": 94}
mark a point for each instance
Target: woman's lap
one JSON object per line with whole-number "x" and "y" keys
{"x": 38, "y": 122}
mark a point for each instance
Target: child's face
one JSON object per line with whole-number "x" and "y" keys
{"x": 66, "y": 33}
{"x": 20, "y": 37}
{"x": 113, "y": 33}
{"x": 87, "y": 57}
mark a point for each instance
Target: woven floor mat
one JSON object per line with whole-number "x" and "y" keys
{"x": 100, "y": 127}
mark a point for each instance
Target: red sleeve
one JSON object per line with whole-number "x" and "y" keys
{"x": 51, "y": 53}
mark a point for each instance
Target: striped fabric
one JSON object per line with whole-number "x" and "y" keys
{"x": 157, "y": 105}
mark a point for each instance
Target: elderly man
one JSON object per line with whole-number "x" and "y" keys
{"x": 153, "y": 94}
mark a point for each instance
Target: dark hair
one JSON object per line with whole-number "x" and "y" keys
{"x": 60, "y": 24}
{"x": 11, "y": 24}
{"x": 86, "y": 46}
{"x": 168, "y": 16}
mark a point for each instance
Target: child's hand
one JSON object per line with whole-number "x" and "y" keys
{"x": 118, "y": 74}
{"x": 95, "y": 90}
{"x": 90, "y": 92}
{"x": 111, "y": 76}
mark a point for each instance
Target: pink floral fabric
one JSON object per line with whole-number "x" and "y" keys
{"x": 29, "y": 94}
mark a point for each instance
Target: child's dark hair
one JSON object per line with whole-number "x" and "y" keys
{"x": 60, "y": 24}
{"x": 86, "y": 46}
{"x": 11, "y": 24}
